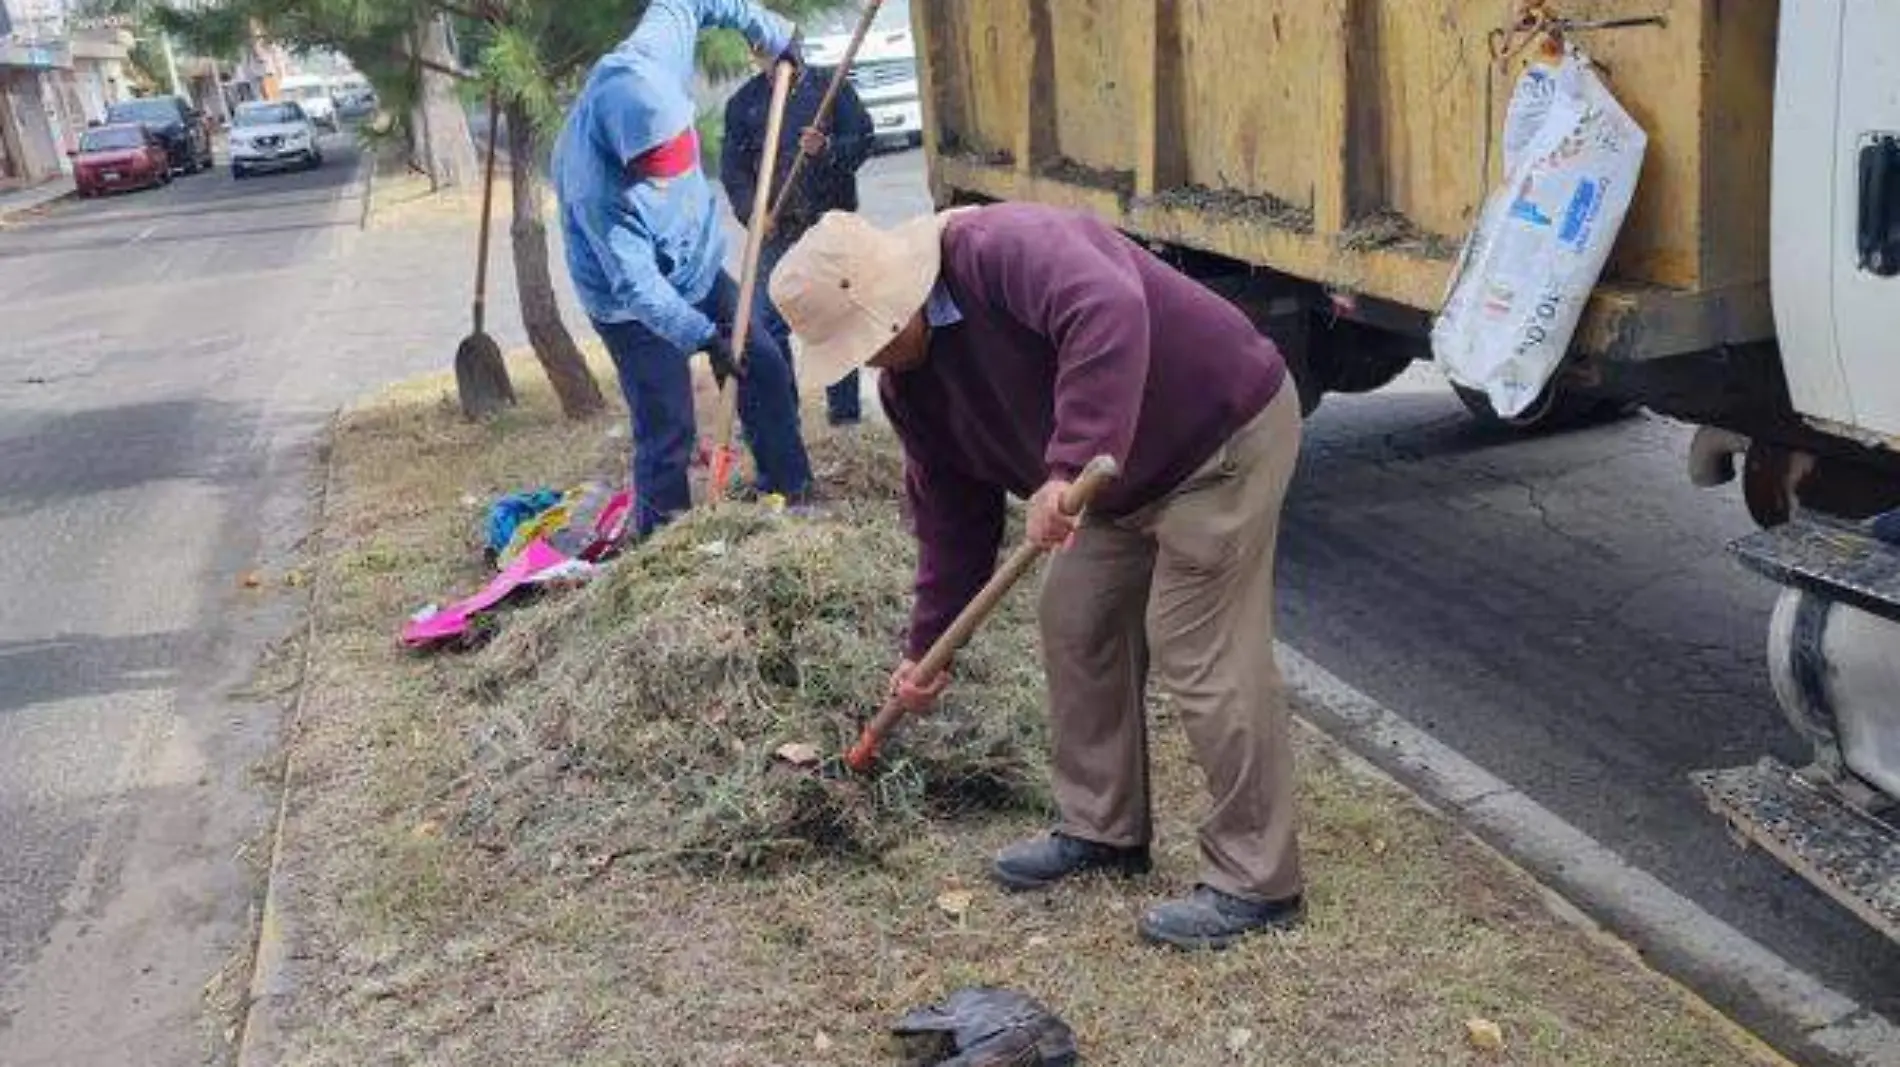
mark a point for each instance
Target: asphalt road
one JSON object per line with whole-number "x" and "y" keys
{"x": 1561, "y": 611}
{"x": 159, "y": 389}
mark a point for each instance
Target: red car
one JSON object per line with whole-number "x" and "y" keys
{"x": 125, "y": 156}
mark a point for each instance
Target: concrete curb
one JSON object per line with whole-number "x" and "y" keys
{"x": 1793, "y": 1009}
{"x": 260, "y": 1039}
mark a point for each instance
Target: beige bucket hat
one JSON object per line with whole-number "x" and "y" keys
{"x": 848, "y": 287}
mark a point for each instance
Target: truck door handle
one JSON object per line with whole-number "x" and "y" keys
{"x": 1880, "y": 206}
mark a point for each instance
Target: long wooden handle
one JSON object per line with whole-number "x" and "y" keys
{"x": 488, "y": 208}
{"x": 1099, "y": 472}
{"x": 749, "y": 283}
{"x": 825, "y": 106}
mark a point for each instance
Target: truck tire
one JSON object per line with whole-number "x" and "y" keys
{"x": 1557, "y": 410}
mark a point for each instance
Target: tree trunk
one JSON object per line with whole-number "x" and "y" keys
{"x": 447, "y": 152}
{"x": 566, "y": 368}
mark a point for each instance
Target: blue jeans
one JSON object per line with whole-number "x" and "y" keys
{"x": 656, "y": 380}
{"x": 844, "y": 401}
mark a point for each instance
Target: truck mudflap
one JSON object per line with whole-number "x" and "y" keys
{"x": 1852, "y": 856}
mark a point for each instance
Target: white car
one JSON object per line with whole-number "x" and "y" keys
{"x": 273, "y": 135}
{"x": 885, "y": 72}
{"x": 312, "y": 93}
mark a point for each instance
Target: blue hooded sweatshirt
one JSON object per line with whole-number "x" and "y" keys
{"x": 648, "y": 250}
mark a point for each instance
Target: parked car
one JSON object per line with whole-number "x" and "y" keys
{"x": 355, "y": 99}
{"x": 885, "y": 73}
{"x": 116, "y": 158}
{"x": 273, "y": 135}
{"x": 178, "y": 126}
{"x": 312, "y": 93}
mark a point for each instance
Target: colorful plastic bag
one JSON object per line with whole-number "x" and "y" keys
{"x": 1572, "y": 158}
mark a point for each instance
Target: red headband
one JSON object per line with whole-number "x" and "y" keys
{"x": 671, "y": 159}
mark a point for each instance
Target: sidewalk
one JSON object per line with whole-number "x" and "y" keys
{"x": 20, "y": 201}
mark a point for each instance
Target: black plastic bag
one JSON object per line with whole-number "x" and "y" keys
{"x": 986, "y": 1028}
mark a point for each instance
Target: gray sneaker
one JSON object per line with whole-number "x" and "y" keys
{"x": 1043, "y": 861}
{"x": 1211, "y": 919}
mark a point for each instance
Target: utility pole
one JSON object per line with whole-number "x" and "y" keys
{"x": 171, "y": 67}
{"x": 217, "y": 86}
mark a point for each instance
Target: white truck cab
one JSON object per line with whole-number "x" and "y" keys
{"x": 1834, "y": 641}
{"x": 1836, "y": 223}
{"x": 885, "y": 71}
{"x": 312, "y": 93}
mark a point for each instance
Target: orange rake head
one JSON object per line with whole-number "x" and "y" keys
{"x": 725, "y": 461}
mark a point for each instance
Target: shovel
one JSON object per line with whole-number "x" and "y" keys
{"x": 863, "y": 755}
{"x": 481, "y": 376}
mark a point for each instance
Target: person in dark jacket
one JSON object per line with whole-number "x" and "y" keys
{"x": 1014, "y": 343}
{"x": 828, "y": 182}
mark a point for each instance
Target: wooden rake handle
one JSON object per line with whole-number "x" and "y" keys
{"x": 748, "y": 286}
{"x": 825, "y": 107}
{"x": 863, "y": 755}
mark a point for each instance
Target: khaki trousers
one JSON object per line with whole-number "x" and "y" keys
{"x": 1186, "y": 583}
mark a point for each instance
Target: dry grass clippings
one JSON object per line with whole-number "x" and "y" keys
{"x": 576, "y": 845}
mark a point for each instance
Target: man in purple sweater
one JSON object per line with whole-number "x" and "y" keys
{"x": 1016, "y": 343}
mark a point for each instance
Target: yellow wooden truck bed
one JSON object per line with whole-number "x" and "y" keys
{"x": 1346, "y": 142}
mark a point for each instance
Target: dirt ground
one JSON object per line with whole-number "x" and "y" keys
{"x": 411, "y": 944}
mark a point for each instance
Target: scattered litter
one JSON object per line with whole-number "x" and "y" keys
{"x": 1038, "y": 941}
{"x": 821, "y": 1043}
{"x": 587, "y": 522}
{"x": 1238, "y": 1039}
{"x": 295, "y": 579}
{"x": 427, "y": 828}
{"x": 547, "y": 541}
{"x": 251, "y": 580}
{"x": 1485, "y": 1035}
{"x": 955, "y": 903}
{"x": 509, "y": 512}
{"x": 799, "y": 754}
{"x": 992, "y": 1027}
{"x": 434, "y": 626}
{"x": 712, "y": 548}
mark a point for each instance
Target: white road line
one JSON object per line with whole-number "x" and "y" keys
{"x": 1588, "y": 872}
{"x": 146, "y": 232}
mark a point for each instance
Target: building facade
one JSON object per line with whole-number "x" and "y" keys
{"x": 32, "y": 119}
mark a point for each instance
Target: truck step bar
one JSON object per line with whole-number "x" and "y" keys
{"x": 1851, "y": 856}
{"x": 1836, "y": 561}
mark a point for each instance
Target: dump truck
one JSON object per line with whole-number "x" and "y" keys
{"x": 1323, "y": 162}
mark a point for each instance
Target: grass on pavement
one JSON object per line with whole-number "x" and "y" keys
{"x": 416, "y": 942}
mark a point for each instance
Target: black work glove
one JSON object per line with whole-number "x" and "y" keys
{"x": 719, "y": 353}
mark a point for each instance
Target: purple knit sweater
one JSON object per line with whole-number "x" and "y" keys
{"x": 1074, "y": 342}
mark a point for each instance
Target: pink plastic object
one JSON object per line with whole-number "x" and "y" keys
{"x": 435, "y": 626}
{"x": 610, "y": 527}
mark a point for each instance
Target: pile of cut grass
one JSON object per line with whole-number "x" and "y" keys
{"x": 640, "y": 718}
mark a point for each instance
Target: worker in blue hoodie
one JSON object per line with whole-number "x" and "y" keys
{"x": 646, "y": 253}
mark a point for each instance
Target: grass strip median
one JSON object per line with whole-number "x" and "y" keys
{"x": 574, "y": 846}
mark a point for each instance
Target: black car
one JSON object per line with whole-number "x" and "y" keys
{"x": 177, "y": 125}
